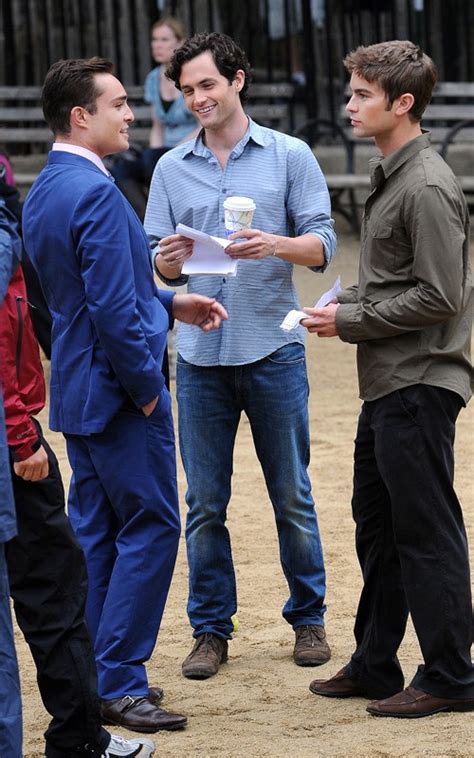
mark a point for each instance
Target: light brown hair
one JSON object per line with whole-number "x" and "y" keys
{"x": 176, "y": 26}
{"x": 399, "y": 67}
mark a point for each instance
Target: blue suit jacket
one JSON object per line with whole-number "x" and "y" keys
{"x": 110, "y": 321}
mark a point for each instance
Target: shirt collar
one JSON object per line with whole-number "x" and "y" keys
{"x": 386, "y": 166}
{"x": 254, "y": 132}
{"x": 83, "y": 152}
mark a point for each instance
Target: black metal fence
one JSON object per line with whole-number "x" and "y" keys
{"x": 302, "y": 41}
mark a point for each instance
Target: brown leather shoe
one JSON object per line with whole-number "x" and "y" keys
{"x": 340, "y": 685}
{"x": 155, "y": 695}
{"x": 203, "y": 661}
{"x": 414, "y": 704}
{"x": 311, "y": 648}
{"x": 139, "y": 715}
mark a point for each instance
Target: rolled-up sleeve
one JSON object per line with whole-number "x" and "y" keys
{"x": 308, "y": 201}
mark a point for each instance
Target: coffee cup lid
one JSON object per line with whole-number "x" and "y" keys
{"x": 239, "y": 203}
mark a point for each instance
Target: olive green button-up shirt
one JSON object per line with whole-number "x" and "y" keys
{"x": 411, "y": 312}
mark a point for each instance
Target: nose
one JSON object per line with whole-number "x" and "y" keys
{"x": 199, "y": 97}
{"x": 350, "y": 105}
{"x": 129, "y": 115}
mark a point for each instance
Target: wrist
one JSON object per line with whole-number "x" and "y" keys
{"x": 275, "y": 246}
{"x": 172, "y": 271}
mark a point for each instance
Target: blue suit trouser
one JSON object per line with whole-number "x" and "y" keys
{"x": 123, "y": 505}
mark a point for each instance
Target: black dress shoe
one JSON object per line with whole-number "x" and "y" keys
{"x": 139, "y": 715}
{"x": 155, "y": 695}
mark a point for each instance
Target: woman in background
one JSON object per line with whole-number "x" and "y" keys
{"x": 172, "y": 123}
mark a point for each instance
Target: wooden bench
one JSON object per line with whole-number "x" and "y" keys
{"x": 449, "y": 118}
{"x": 21, "y": 117}
{"x": 451, "y": 104}
{"x": 22, "y": 123}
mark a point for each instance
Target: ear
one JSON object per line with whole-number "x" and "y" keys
{"x": 404, "y": 103}
{"x": 78, "y": 117}
{"x": 239, "y": 79}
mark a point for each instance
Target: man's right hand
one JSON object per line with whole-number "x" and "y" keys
{"x": 34, "y": 468}
{"x": 150, "y": 407}
{"x": 174, "y": 251}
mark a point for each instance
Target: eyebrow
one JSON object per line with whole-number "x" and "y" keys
{"x": 361, "y": 91}
{"x": 119, "y": 99}
{"x": 207, "y": 80}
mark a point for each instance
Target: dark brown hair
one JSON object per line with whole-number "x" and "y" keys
{"x": 400, "y": 67}
{"x": 70, "y": 83}
{"x": 227, "y": 55}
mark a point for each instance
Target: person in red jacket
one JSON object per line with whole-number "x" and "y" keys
{"x": 23, "y": 382}
{"x": 46, "y": 566}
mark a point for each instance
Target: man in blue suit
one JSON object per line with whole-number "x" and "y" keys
{"x": 108, "y": 393}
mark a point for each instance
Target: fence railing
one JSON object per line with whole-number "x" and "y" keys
{"x": 302, "y": 41}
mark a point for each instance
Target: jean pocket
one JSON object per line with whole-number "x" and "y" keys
{"x": 409, "y": 401}
{"x": 288, "y": 355}
{"x": 180, "y": 360}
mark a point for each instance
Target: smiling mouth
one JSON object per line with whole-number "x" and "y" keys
{"x": 207, "y": 109}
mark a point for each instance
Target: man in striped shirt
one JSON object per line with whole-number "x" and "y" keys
{"x": 250, "y": 365}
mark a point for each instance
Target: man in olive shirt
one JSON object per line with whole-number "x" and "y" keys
{"x": 410, "y": 316}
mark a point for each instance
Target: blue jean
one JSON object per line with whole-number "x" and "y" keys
{"x": 273, "y": 393}
{"x": 10, "y": 700}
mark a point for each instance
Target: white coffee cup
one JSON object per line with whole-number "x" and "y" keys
{"x": 238, "y": 213}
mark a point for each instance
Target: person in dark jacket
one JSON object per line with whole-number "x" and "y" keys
{"x": 10, "y": 700}
{"x": 46, "y": 566}
{"x": 39, "y": 311}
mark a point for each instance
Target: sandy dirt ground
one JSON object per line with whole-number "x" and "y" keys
{"x": 259, "y": 703}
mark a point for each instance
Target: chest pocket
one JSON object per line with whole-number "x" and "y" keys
{"x": 381, "y": 230}
{"x": 390, "y": 249}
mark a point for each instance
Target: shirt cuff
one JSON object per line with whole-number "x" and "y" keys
{"x": 180, "y": 280}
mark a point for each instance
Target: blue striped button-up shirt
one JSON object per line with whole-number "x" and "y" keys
{"x": 284, "y": 179}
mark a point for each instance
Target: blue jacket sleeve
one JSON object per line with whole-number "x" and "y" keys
{"x": 10, "y": 247}
{"x": 9, "y": 250}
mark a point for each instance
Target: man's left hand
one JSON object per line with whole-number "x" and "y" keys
{"x": 321, "y": 320}
{"x": 199, "y": 310}
{"x": 257, "y": 244}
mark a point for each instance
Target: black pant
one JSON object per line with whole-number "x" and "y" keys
{"x": 48, "y": 584}
{"x": 411, "y": 544}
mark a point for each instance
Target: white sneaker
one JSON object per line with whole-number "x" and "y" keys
{"x": 120, "y": 748}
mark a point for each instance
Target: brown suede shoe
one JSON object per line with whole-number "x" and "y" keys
{"x": 414, "y": 704}
{"x": 139, "y": 715}
{"x": 340, "y": 685}
{"x": 155, "y": 695}
{"x": 203, "y": 661}
{"x": 311, "y": 648}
